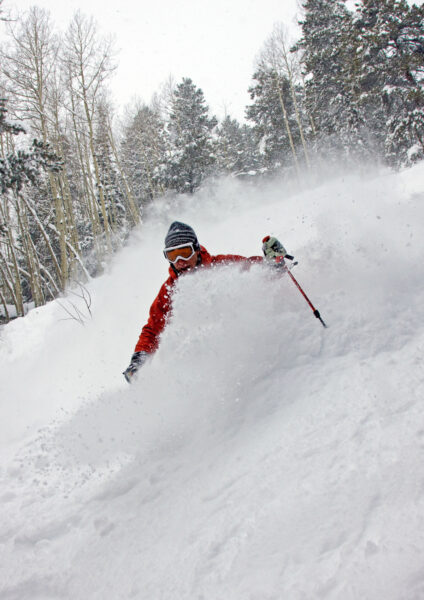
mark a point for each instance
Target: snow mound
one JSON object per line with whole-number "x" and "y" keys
{"x": 257, "y": 456}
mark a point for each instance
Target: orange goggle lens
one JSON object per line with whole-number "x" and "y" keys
{"x": 185, "y": 253}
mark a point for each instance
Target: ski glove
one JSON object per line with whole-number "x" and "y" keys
{"x": 137, "y": 360}
{"x": 272, "y": 248}
{"x": 274, "y": 251}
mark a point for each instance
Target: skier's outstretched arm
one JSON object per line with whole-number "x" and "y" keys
{"x": 148, "y": 341}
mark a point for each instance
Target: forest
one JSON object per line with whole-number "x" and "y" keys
{"x": 76, "y": 175}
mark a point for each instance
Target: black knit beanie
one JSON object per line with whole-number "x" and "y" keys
{"x": 180, "y": 233}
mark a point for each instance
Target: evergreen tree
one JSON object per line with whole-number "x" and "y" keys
{"x": 190, "y": 137}
{"x": 24, "y": 166}
{"x": 236, "y": 149}
{"x": 274, "y": 117}
{"x": 391, "y": 37}
{"x": 330, "y": 68}
{"x": 143, "y": 153}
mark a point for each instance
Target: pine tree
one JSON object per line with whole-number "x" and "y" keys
{"x": 23, "y": 167}
{"x": 236, "y": 149}
{"x": 143, "y": 153}
{"x": 391, "y": 35}
{"x": 274, "y": 117}
{"x": 190, "y": 139}
{"x": 330, "y": 66}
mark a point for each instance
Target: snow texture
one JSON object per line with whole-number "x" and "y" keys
{"x": 257, "y": 456}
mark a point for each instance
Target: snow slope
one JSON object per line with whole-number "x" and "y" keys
{"x": 258, "y": 456}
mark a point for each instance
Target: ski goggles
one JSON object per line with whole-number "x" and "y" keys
{"x": 182, "y": 252}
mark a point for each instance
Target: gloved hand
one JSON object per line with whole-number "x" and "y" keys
{"x": 272, "y": 248}
{"x": 137, "y": 360}
{"x": 274, "y": 251}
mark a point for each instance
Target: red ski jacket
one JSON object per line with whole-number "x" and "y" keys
{"x": 149, "y": 336}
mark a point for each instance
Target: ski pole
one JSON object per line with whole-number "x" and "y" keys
{"x": 314, "y": 310}
{"x": 272, "y": 248}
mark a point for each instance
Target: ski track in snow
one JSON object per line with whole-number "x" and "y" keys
{"x": 258, "y": 456}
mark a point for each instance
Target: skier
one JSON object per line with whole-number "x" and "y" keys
{"x": 184, "y": 253}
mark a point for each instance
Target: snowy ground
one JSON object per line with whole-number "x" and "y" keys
{"x": 258, "y": 456}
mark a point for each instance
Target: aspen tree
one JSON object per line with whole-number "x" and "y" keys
{"x": 89, "y": 61}
{"x": 87, "y": 192}
{"x": 9, "y": 263}
{"x": 28, "y": 66}
{"x": 33, "y": 263}
{"x": 277, "y": 54}
{"x": 57, "y": 101}
{"x": 134, "y": 212}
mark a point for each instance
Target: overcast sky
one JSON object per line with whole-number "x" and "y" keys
{"x": 212, "y": 41}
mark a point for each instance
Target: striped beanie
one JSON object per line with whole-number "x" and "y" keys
{"x": 180, "y": 233}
